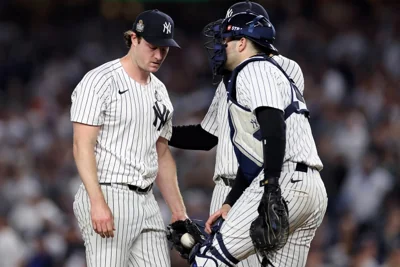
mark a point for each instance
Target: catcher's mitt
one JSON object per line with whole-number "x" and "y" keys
{"x": 179, "y": 228}
{"x": 270, "y": 231}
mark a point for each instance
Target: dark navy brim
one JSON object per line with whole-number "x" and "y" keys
{"x": 161, "y": 42}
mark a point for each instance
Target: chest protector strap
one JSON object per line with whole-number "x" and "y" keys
{"x": 297, "y": 104}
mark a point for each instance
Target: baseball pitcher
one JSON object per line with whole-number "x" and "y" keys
{"x": 121, "y": 116}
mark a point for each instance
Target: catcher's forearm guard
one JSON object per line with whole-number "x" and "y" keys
{"x": 177, "y": 229}
{"x": 270, "y": 231}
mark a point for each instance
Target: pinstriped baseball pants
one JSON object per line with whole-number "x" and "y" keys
{"x": 220, "y": 193}
{"x": 307, "y": 202}
{"x": 139, "y": 239}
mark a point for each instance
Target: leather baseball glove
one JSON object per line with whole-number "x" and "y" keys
{"x": 270, "y": 231}
{"x": 179, "y": 228}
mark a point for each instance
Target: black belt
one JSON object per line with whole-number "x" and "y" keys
{"x": 300, "y": 167}
{"x": 227, "y": 181}
{"x": 134, "y": 187}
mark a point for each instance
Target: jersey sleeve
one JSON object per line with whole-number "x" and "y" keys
{"x": 210, "y": 121}
{"x": 89, "y": 99}
{"x": 260, "y": 85}
{"x": 294, "y": 71}
{"x": 166, "y": 131}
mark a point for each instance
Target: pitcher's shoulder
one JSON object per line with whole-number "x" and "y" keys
{"x": 102, "y": 73}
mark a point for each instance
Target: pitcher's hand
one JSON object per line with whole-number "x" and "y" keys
{"x": 102, "y": 219}
{"x": 178, "y": 216}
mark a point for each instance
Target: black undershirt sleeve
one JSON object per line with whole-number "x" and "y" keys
{"x": 273, "y": 133}
{"x": 192, "y": 137}
{"x": 240, "y": 185}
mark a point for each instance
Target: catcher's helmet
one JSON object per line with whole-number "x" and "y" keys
{"x": 246, "y": 24}
{"x": 246, "y": 6}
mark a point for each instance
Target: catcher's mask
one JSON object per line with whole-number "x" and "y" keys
{"x": 243, "y": 24}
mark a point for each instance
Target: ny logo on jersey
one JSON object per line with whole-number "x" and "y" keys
{"x": 254, "y": 123}
{"x": 161, "y": 115}
{"x": 167, "y": 28}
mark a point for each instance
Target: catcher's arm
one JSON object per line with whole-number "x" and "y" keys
{"x": 269, "y": 232}
{"x": 238, "y": 188}
{"x": 273, "y": 133}
{"x": 203, "y": 136}
{"x": 199, "y": 139}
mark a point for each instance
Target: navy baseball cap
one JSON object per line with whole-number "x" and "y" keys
{"x": 155, "y": 27}
{"x": 246, "y": 6}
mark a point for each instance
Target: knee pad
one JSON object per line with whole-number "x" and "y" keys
{"x": 206, "y": 255}
{"x": 204, "y": 262}
{"x": 201, "y": 259}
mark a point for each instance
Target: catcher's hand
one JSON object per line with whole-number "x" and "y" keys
{"x": 177, "y": 229}
{"x": 270, "y": 231}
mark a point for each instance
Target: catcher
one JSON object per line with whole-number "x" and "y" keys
{"x": 278, "y": 200}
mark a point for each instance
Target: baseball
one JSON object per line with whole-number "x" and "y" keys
{"x": 187, "y": 240}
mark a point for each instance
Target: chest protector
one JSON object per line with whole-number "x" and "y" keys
{"x": 244, "y": 129}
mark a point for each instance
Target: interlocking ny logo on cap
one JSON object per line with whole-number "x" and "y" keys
{"x": 167, "y": 28}
{"x": 229, "y": 13}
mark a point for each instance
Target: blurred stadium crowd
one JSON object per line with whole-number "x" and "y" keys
{"x": 349, "y": 52}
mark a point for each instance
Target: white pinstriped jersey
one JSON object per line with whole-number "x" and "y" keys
{"x": 262, "y": 84}
{"x": 132, "y": 117}
{"x": 216, "y": 120}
